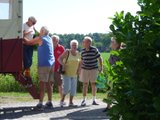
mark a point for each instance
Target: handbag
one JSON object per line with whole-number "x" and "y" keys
{"x": 60, "y": 71}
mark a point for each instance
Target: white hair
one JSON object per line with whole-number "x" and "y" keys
{"x": 33, "y": 19}
{"x": 74, "y": 41}
{"x": 45, "y": 30}
{"x": 55, "y": 36}
{"x": 88, "y": 38}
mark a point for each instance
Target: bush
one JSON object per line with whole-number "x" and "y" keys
{"x": 8, "y": 84}
{"x": 136, "y": 78}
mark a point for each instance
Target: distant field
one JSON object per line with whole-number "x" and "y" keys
{"x": 8, "y": 84}
{"x": 105, "y": 56}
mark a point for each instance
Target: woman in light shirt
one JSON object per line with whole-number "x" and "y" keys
{"x": 28, "y": 32}
{"x": 70, "y": 63}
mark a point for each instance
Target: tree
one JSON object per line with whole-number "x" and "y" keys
{"x": 136, "y": 78}
{"x": 101, "y": 41}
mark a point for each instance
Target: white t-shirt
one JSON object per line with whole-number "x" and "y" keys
{"x": 26, "y": 28}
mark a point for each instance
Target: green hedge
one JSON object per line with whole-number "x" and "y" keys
{"x": 136, "y": 79}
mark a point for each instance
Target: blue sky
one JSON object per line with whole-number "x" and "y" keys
{"x": 4, "y": 11}
{"x": 76, "y": 16}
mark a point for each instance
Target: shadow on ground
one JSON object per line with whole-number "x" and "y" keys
{"x": 85, "y": 113}
{"x": 18, "y": 112}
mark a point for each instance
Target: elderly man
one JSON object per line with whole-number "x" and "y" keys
{"x": 45, "y": 64}
{"x": 28, "y": 32}
{"x": 89, "y": 68}
{"x": 58, "y": 50}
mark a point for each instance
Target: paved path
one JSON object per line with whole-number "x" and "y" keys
{"x": 25, "y": 111}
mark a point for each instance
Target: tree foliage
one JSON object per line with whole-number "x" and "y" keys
{"x": 100, "y": 40}
{"x": 136, "y": 78}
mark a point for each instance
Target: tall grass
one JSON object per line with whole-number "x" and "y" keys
{"x": 8, "y": 83}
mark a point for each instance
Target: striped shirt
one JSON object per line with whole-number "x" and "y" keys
{"x": 89, "y": 58}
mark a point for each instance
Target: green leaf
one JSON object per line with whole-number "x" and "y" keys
{"x": 112, "y": 27}
{"x": 156, "y": 103}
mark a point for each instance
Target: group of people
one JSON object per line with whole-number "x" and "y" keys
{"x": 84, "y": 64}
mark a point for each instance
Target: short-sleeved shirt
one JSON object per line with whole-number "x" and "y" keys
{"x": 58, "y": 50}
{"x": 26, "y": 28}
{"x": 89, "y": 58}
{"x": 45, "y": 52}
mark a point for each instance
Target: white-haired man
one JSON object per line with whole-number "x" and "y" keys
{"x": 45, "y": 64}
{"x": 89, "y": 68}
{"x": 58, "y": 50}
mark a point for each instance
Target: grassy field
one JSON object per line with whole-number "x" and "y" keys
{"x": 8, "y": 84}
{"x": 105, "y": 56}
{"x": 10, "y": 89}
{"x": 25, "y": 97}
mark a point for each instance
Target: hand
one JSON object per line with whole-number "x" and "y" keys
{"x": 63, "y": 67}
{"x": 25, "y": 40}
{"x": 100, "y": 69}
{"x": 78, "y": 71}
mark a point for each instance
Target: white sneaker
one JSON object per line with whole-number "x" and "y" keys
{"x": 62, "y": 103}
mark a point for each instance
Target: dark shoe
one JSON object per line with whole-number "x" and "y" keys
{"x": 106, "y": 109}
{"x": 72, "y": 105}
{"x": 83, "y": 103}
{"x": 40, "y": 106}
{"x": 49, "y": 105}
{"x": 94, "y": 103}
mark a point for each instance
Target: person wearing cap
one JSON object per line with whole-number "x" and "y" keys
{"x": 46, "y": 62}
{"x": 89, "y": 68}
{"x": 58, "y": 50}
{"x": 28, "y": 32}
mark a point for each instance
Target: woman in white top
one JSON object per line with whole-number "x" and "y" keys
{"x": 28, "y": 32}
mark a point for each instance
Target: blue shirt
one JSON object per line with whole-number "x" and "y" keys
{"x": 46, "y": 52}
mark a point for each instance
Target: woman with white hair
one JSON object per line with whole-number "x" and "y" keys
{"x": 45, "y": 64}
{"x": 70, "y": 63}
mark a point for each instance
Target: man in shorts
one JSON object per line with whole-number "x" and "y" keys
{"x": 89, "y": 68}
{"x": 45, "y": 64}
{"x": 58, "y": 50}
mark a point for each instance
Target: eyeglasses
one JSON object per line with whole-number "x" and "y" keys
{"x": 74, "y": 45}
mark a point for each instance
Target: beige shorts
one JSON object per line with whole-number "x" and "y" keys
{"x": 45, "y": 74}
{"x": 88, "y": 75}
